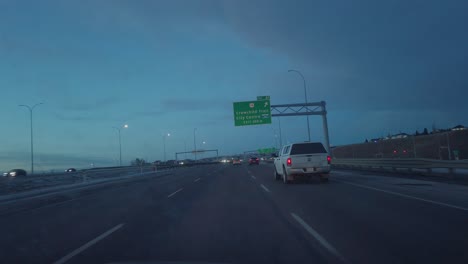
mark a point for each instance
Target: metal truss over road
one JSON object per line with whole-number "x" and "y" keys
{"x": 304, "y": 109}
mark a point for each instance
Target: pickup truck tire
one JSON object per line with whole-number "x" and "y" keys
{"x": 285, "y": 177}
{"x": 277, "y": 176}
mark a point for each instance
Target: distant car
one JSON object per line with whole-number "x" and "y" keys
{"x": 254, "y": 160}
{"x": 70, "y": 170}
{"x": 236, "y": 162}
{"x": 16, "y": 173}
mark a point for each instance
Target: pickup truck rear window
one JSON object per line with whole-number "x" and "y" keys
{"x": 307, "y": 148}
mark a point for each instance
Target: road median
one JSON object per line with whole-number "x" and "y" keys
{"x": 46, "y": 191}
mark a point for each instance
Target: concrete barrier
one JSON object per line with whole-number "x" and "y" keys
{"x": 427, "y": 165}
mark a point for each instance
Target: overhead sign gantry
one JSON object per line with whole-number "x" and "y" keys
{"x": 260, "y": 112}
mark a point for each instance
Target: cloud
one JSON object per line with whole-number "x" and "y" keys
{"x": 151, "y": 113}
{"x": 86, "y": 117}
{"x": 81, "y": 112}
{"x": 378, "y": 55}
{"x": 91, "y": 104}
{"x": 187, "y": 105}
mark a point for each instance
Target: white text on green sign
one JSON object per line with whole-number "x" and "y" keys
{"x": 252, "y": 113}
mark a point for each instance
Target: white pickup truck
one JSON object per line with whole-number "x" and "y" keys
{"x": 302, "y": 160}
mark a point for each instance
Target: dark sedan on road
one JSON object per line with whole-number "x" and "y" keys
{"x": 15, "y": 173}
{"x": 70, "y": 170}
{"x": 254, "y": 160}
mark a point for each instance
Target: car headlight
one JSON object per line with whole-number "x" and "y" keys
{"x": 13, "y": 173}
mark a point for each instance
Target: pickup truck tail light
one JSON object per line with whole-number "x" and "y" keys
{"x": 289, "y": 162}
{"x": 328, "y": 159}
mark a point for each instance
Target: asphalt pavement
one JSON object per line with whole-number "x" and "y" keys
{"x": 240, "y": 214}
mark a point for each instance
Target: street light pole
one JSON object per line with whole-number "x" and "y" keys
{"x": 275, "y": 135}
{"x": 120, "y": 144}
{"x": 164, "y": 143}
{"x": 31, "y": 126}
{"x": 120, "y": 149}
{"x": 280, "y": 133}
{"x": 203, "y": 147}
{"x": 195, "y": 142}
{"x": 305, "y": 95}
{"x": 164, "y": 140}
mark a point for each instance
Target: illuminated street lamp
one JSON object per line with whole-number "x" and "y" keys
{"x": 120, "y": 142}
{"x": 164, "y": 141}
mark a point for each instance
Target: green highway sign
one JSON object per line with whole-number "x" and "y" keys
{"x": 267, "y": 150}
{"x": 252, "y": 113}
{"x": 261, "y": 98}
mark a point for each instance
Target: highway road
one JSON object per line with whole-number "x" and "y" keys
{"x": 240, "y": 214}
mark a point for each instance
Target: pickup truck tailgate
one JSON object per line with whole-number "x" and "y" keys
{"x": 308, "y": 161}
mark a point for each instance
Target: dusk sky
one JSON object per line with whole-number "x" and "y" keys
{"x": 172, "y": 66}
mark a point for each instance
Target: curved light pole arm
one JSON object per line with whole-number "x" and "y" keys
{"x": 31, "y": 126}
{"x": 305, "y": 96}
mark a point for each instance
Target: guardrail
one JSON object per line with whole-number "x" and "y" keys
{"x": 395, "y": 164}
{"x": 146, "y": 167}
{"x": 18, "y": 184}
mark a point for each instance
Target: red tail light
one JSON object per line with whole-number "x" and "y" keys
{"x": 289, "y": 162}
{"x": 329, "y": 159}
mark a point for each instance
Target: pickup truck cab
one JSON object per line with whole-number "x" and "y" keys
{"x": 302, "y": 160}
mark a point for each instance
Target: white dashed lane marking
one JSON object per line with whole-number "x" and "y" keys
{"x": 88, "y": 245}
{"x": 172, "y": 194}
{"x": 265, "y": 188}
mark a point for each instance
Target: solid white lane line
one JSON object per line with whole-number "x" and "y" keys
{"x": 87, "y": 245}
{"x": 318, "y": 237}
{"x": 253, "y": 177}
{"x": 197, "y": 180}
{"x": 59, "y": 203}
{"x": 172, "y": 194}
{"x": 404, "y": 195}
{"x": 264, "y": 188}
